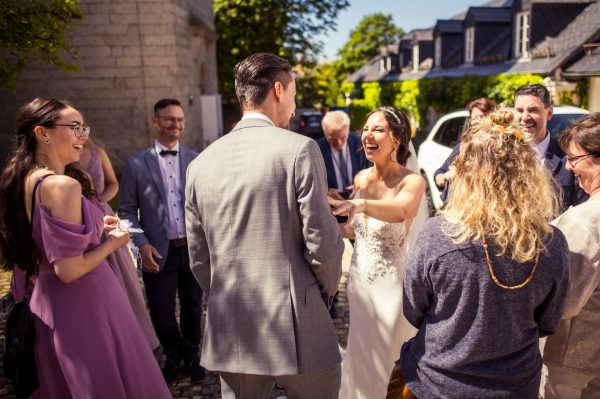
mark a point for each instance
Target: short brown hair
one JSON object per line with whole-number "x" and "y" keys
{"x": 164, "y": 103}
{"x": 483, "y": 104}
{"x": 585, "y": 133}
{"x": 256, "y": 75}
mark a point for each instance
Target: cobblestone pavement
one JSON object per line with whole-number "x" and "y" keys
{"x": 209, "y": 388}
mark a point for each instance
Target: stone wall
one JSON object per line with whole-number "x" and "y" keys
{"x": 133, "y": 52}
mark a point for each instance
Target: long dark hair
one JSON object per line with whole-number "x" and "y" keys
{"x": 400, "y": 127}
{"x": 16, "y": 243}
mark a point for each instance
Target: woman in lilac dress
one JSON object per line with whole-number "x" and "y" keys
{"x": 96, "y": 163}
{"x": 88, "y": 342}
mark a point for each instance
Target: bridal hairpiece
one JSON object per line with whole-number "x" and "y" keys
{"x": 396, "y": 117}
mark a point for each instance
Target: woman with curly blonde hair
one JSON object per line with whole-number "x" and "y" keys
{"x": 487, "y": 277}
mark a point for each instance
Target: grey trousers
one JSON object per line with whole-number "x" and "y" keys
{"x": 319, "y": 384}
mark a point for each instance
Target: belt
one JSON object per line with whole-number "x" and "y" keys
{"x": 178, "y": 242}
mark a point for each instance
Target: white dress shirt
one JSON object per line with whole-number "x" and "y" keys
{"x": 257, "y": 115}
{"x": 171, "y": 177}
{"x": 541, "y": 148}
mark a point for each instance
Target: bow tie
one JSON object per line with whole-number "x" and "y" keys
{"x": 167, "y": 152}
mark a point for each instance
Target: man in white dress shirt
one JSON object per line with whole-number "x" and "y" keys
{"x": 152, "y": 199}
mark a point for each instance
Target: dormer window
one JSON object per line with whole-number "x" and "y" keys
{"x": 415, "y": 57}
{"x": 522, "y": 35}
{"x": 438, "y": 51}
{"x": 469, "y": 45}
{"x": 382, "y": 64}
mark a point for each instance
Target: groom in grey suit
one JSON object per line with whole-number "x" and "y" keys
{"x": 152, "y": 198}
{"x": 265, "y": 247}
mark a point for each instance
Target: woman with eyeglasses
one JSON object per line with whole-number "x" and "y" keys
{"x": 489, "y": 276}
{"x": 88, "y": 343}
{"x": 572, "y": 355}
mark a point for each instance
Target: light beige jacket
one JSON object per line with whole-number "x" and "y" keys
{"x": 266, "y": 250}
{"x": 576, "y": 343}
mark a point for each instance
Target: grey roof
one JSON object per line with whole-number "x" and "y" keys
{"x": 553, "y": 52}
{"x": 588, "y": 65}
{"x": 498, "y": 3}
{"x": 547, "y": 56}
{"x": 422, "y": 34}
{"x": 448, "y": 26}
{"x": 492, "y": 3}
{"x": 368, "y": 72}
{"x": 488, "y": 14}
{"x": 563, "y": 1}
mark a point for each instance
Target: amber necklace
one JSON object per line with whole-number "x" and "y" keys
{"x": 495, "y": 279}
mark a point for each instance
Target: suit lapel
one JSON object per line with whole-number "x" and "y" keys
{"x": 554, "y": 156}
{"x": 329, "y": 165}
{"x": 152, "y": 161}
{"x": 353, "y": 148}
{"x": 552, "y": 162}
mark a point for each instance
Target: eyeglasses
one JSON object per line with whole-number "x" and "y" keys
{"x": 80, "y": 131}
{"x": 573, "y": 161}
{"x": 172, "y": 120}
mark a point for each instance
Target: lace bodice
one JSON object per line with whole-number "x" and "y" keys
{"x": 380, "y": 248}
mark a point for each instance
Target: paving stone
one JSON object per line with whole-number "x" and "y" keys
{"x": 209, "y": 387}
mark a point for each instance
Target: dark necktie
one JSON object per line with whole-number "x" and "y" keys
{"x": 343, "y": 169}
{"x": 167, "y": 152}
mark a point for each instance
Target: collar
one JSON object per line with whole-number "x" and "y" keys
{"x": 257, "y": 115}
{"x": 335, "y": 150}
{"x": 159, "y": 147}
{"x": 541, "y": 147}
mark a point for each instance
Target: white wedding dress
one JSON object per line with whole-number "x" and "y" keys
{"x": 377, "y": 324}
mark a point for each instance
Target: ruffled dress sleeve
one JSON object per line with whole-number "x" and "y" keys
{"x": 62, "y": 240}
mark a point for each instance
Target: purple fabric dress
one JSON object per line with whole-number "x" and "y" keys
{"x": 121, "y": 260}
{"x": 88, "y": 343}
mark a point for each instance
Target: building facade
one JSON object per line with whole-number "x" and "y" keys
{"x": 132, "y": 53}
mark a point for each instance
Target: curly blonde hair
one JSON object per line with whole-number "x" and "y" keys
{"x": 500, "y": 190}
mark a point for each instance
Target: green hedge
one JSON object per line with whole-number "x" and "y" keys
{"x": 442, "y": 94}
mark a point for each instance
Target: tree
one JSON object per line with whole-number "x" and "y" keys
{"x": 35, "y": 29}
{"x": 282, "y": 27}
{"x": 372, "y": 32}
{"x": 317, "y": 86}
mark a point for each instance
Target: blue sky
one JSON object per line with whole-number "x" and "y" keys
{"x": 407, "y": 14}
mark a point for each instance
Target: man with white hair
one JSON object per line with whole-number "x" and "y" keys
{"x": 342, "y": 153}
{"x": 344, "y": 158}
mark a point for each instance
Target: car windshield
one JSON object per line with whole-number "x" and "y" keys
{"x": 560, "y": 122}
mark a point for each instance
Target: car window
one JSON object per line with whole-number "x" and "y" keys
{"x": 560, "y": 122}
{"x": 449, "y": 132}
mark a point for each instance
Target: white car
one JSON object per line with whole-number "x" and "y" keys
{"x": 444, "y": 135}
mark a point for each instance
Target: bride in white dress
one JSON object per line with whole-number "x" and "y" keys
{"x": 387, "y": 208}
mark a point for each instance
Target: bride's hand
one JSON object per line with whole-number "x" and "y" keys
{"x": 350, "y": 207}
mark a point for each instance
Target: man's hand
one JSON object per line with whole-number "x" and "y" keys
{"x": 148, "y": 252}
{"x": 335, "y": 194}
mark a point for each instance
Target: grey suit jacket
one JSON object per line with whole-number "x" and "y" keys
{"x": 267, "y": 251}
{"x": 143, "y": 200}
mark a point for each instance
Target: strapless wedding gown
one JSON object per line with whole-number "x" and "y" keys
{"x": 377, "y": 325}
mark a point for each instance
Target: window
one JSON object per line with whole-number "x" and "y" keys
{"x": 447, "y": 135}
{"x": 438, "y": 51}
{"x": 522, "y": 35}
{"x": 382, "y": 64}
{"x": 415, "y": 57}
{"x": 469, "y": 44}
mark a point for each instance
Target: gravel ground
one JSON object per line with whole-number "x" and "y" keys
{"x": 209, "y": 387}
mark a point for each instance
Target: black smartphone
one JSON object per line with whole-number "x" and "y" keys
{"x": 341, "y": 219}
{"x": 345, "y": 195}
